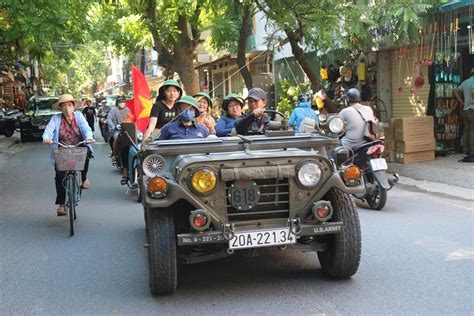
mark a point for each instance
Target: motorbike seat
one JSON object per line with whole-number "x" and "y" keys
{"x": 366, "y": 145}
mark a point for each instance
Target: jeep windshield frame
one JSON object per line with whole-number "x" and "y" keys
{"x": 230, "y": 144}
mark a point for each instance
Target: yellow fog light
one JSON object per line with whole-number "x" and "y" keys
{"x": 203, "y": 180}
{"x": 351, "y": 173}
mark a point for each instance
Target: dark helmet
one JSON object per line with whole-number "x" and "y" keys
{"x": 353, "y": 95}
{"x": 166, "y": 84}
{"x": 120, "y": 97}
{"x": 203, "y": 94}
{"x": 232, "y": 97}
{"x": 304, "y": 96}
{"x": 189, "y": 100}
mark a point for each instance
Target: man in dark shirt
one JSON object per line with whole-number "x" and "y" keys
{"x": 90, "y": 114}
{"x": 255, "y": 121}
{"x": 185, "y": 127}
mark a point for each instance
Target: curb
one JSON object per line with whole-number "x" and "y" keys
{"x": 439, "y": 188}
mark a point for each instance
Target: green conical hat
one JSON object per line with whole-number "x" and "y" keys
{"x": 190, "y": 101}
{"x": 205, "y": 95}
{"x": 168, "y": 83}
{"x": 232, "y": 97}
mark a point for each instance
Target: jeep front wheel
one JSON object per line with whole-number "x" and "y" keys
{"x": 162, "y": 252}
{"x": 342, "y": 257}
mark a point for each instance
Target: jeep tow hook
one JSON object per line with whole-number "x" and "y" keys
{"x": 295, "y": 225}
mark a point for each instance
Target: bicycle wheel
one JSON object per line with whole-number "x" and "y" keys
{"x": 71, "y": 203}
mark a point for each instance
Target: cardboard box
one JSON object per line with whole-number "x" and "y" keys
{"x": 414, "y": 128}
{"x": 412, "y": 146}
{"x": 390, "y": 155}
{"x": 415, "y": 157}
{"x": 388, "y": 123}
{"x": 389, "y": 144}
{"x": 389, "y": 133}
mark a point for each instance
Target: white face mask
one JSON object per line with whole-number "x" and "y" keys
{"x": 121, "y": 105}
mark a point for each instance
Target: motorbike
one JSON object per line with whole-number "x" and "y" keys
{"x": 104, "y": 128}
{"x": 8, "y": 122}
{"x": 130, "y": 138}
{"x": 369, "y": 157}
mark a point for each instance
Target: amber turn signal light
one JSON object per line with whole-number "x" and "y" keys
{"x": 351, "y": 173}
{"x": 157, "y": 184}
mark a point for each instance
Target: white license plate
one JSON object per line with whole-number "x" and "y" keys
{"x": 262, "y": 238}
{"x": 378, "y": 164}
{"x": 42, "y": 126}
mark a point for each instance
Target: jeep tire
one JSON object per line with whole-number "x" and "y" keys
{"x": 342, "y": 257}
{"x": 162, "y": 252}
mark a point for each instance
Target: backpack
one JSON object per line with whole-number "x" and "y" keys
{"x": 308, "y": 124}
{"x": 371, "y": 129}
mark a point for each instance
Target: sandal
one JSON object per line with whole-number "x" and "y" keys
{"x": 61, "y": 211}
{"x": 124, "y": 180}
{"x": 86, "y": 184}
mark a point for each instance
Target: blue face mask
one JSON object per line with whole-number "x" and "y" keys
{"x": 188, "y": 115}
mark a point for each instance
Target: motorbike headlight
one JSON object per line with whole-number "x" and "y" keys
{"x": 203, "y": 180}
{"x": 153, "y": 165}
{"x": 309, "y": 173}
{"x": 336, "y": 125}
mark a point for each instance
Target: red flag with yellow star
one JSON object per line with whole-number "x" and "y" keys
{"x": 142, "y": 99}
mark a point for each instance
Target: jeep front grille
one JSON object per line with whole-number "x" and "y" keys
{"x": 273, "y": 202}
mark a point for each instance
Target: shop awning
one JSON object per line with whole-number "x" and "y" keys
{"x": 455, "y": 4}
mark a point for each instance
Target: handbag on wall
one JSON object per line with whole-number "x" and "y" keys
{"x": 371, "y": 129}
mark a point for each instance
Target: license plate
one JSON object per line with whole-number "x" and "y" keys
{"x": 378, "y": 164}
{"x": 262, "y": 238}
{"x": 42, "y": 126}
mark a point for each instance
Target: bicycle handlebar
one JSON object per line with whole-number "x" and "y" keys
{"x": 76, "y": 145}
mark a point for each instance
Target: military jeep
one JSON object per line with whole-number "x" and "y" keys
{"x": 206, "y": 199}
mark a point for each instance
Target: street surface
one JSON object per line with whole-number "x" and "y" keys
{"x": 417, "y": 256}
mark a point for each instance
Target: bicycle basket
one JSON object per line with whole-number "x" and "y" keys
{"x": 68, "y": 159}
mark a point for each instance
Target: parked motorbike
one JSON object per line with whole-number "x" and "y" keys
{"x": 8, "y": 122}
{"x": 369, "y": 157}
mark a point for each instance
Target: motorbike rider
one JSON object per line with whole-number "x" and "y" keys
{"x": 185, "y": 126}
{"x": 232, "y": 106}
{"x": 69, "y": 127}
{"x": 255, "y": 121}
{"x": 116, "y": 117}
{"x": 163, "y": 111}
{"x": 205, "y": 106}
{"x": 352, "y": 115}
{"x": 90, "y": 114}
{"x": 303, "y": 110}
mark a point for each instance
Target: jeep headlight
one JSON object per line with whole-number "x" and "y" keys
{"x": 336, "y": 125}
{"x": 309, "y": 173}
{"x": 203, "y": 180}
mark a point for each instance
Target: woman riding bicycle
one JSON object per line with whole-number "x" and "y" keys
{"x": 69, "y": 127}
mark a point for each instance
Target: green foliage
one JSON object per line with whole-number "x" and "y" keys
{"x": 289, "y": 96}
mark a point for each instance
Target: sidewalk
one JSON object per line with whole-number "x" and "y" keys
{"x": 445, "y": 175}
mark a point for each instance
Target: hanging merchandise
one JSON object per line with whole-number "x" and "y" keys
{"x": 419, "y": 80}
{"x": 361, "y": 68}
{"x": 324, "y": 73}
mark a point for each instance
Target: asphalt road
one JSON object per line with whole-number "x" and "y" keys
{"x": 417, "y": 257}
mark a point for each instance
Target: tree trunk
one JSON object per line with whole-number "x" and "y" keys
{"x": 301, "y": 59}
{"x": 241, "y": 60}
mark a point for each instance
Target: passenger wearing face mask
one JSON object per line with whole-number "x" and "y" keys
{"x": 68, "y": 127}
{"x": 185, "y": 126}
{"x": 116, "y": 117}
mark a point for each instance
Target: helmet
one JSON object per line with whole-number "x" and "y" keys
{"x": 232, "y": 97}
{"x": 119, "y": 97}
{"x": 186, "y": 99}
{"x": 353, "y": 95}
{"x": 203, "y": 94}
{"x": 304, "y": 96}
{"x": 168, "y": 83}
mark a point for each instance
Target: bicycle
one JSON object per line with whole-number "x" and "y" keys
{"x": 71, "y": 158}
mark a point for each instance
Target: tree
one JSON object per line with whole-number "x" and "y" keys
{"x": 232, "y": 25}
{"x": 323, "y": 25}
